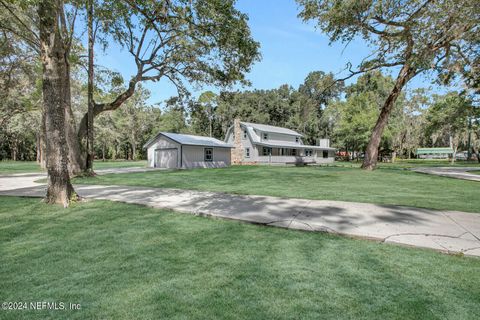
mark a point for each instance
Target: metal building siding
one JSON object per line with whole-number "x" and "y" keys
{"x": 161, "y": 143}
{"x": 193, "y": 157}
{"x": 247, "y": 143}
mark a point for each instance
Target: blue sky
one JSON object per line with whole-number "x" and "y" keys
{"x": 290, "y": 50}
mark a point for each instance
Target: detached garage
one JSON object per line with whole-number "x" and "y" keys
{"x": 175, "y": 151}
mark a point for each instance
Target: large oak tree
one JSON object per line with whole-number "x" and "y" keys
{"x": 56, "y": 98}
{"x": 185, "y": 41}
{"x": 412, "y": 36}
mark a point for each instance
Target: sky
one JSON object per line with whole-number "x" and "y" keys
{"x": 290, "y": 49}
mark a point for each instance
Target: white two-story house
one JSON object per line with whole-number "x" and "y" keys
{"x": 260, "y": 143}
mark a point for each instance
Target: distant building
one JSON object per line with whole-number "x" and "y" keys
{"x": 260, "y": 143}
{"x": 434, "y": 153}
{"x": 184, "y": 151}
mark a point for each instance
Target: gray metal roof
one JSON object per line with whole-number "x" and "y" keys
{"x": 192, "y": 140}
{"x": 269, "y": 128}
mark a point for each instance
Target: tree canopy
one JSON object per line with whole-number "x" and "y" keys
{"x": 413, "y": 36}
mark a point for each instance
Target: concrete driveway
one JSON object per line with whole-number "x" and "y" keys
{"x": 23, "y": 180}
{"x": 448, "y": 231}
{"x": 451, "y": 172}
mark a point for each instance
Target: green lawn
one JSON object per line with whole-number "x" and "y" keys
{"x": 474, "y": 172}
{"x": 118, "y": 164}
{"x": 122, "y": 261}
{"x": 413, "y": 163}
{"x": 10, "y": 167}
{"x": 387, "y": 185}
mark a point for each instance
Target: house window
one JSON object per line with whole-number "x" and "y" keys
{"x": 308, "y": 152}
{"x": 297, "y": 139}
{"x": 247, "y": 152}
{"x": 325, "y": 153}
{"x": 244, "y": 134}
{"x": 267, "y": 151}
{"x": 294, "y": 152}
{"x": 208, "y": 154}
{"x": 265, "y": 136}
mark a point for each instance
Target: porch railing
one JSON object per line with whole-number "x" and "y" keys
{"x": 285, "y": 159}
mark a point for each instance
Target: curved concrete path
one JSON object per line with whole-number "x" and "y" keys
{"x": 449, "y": 231}
{"x": 451, "y": 172}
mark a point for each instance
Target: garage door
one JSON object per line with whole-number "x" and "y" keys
{"x": 166, "y": 158}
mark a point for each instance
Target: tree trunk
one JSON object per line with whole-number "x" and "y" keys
{"x": 14, "y": 150}
{"x": 371, "y": 154}
{"x": 474, "y": 148}
{"x": 38, "y": 148}
{"x": 475, "y": 151}
{"x": 210, "y": 124}
{"x": 82, "y": 132}
{"x": 76, "y": 162}
{"x": 76, "y": 159}
{"x": 454, "y": 155}
{"x": 42, "y": 144}
{"x": 54, "y": 87}
{"x": 90, "y": 151}
{"x": 134, "y": 150}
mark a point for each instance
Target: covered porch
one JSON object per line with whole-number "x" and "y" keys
{"x": 297, "y": 155}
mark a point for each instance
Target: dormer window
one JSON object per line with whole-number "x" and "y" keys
{"x": 297, "y": 139}
{"x": 265, "y": 136}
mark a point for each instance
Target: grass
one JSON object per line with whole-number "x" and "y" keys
{"x": 118, "y": 164}
{"x": 435, "y": 163}
{"x": 413, "y": 163}
{"x": 387, "y": 185}
{"x": 474, "y": 172}
{"x": 122, "y": 261}
{"x": 11, "y": 167}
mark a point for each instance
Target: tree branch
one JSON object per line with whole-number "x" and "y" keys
{"x": 32, "y": 43}
{"x": 20, "y": 21}
{"x": 376, "y": 67}
{"x": 72, "y": 28}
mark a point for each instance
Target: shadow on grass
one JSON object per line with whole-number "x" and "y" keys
{"x": 126, "y": 261}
